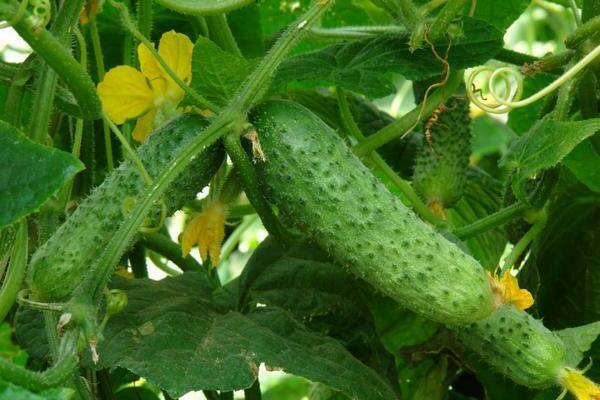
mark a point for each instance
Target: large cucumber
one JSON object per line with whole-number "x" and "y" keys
{"x": 316, "y": 182}
{"x": 57, "y": 267}
{"x": 441, "y": 165}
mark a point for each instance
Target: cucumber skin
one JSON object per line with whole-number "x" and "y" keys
{"x": 316, "y": 182}
{"x": 440, "y": 170}
{"x": 57, "y": 267}
{"x": 517, "y": 345}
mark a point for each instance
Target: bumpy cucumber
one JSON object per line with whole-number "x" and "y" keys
{"x": 517, "y": 345}
{"x": 57, "y": 266}
{"x": 441, "y": 165}
{"x": 316, "y": 182}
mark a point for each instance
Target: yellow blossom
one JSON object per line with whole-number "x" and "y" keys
{"x": 207, "y": 230}
{"x": 580, "y": 386}
{"x": 149, "y": 94}
{"x": 507, "y": 288}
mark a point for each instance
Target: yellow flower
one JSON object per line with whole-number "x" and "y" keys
{"x": 149, "y": 94}
{"x": 207, "y": 230}
{"x": 580, "y": 386}
{"x": 507, "y": 289}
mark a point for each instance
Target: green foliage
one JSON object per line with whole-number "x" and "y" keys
{"x": 31, "y": 173}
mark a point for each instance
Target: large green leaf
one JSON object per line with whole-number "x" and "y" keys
{"x": 172, "y": 334}
{"x": 546, "y": 144}
{"x": 361, "y": 66}
{"x": 8, "y": 391}
{"x": 217, "y": 74}
{"x": 584, "y": 163}
{"x": 29, "y": 173}
{"x": 500, "y": 14}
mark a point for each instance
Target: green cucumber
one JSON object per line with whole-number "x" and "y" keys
{"x": 57, "y": 267}
{"x": 441, "y": 165}
{"x": 325, "y": 191}
{"x": 517, "y": 345}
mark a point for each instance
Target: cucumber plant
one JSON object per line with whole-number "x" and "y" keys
{"x": 384, "y": 262}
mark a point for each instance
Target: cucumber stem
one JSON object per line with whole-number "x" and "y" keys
{"x": 170, "y": 250}
{"x": 405, "y": 187}
{"x": 233, "y": 239}
{"x": 144, "y": 18}
{"x": 16, "y": 271}
{"x": 99, "y": 60}
{"x": 223, "y": 123}
{"x": 405, "y": 124}
{"x": 221, "y": 34}
{"x": 523, "y": 243}
{"x": 247, "y": 176}
{"x": 491, "y": 221}
{"x": 583, "y": 33}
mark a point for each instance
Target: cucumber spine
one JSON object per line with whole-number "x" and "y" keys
{"x": 325, "y": 191}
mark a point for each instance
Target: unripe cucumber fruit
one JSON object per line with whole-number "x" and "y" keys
{"x": 324, "y": 190}
{"x": 57, "y": 267}
{"x": 441, "y": 165}
{"x": 517, "y": 345}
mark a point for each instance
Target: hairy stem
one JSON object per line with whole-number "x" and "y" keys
{"x": 583, "y": 33}
{"x": 220, "y": 33}
{"x": 491, "y": 221}
{"x": 16, "y": 271}
{"x": 522, "y": 245}
{"x": 170, "y": 250}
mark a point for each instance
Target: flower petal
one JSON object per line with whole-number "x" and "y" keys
{"x": 176, "y": 49}
{"x": 152, "y": 70}
{"x": 208, "y": 231}
{"x": 125, "y": 94}
{"x": 143, "y": 126}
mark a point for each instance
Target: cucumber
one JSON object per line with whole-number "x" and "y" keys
{"x": 517, "y": 345}
{"x": 326, "y": 192}
{"x": 441, "y": 165}
{"x": 57, "y": 266}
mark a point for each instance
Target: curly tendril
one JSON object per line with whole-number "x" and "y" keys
{"x": 505, "y": 86}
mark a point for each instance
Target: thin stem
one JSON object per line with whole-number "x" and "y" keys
{"x": 247, "y": 176}
{"x": 522, "y": 244}
{"x": 196, "y": 97}
{"x": 16, "y": 271}
{"x": 128, "y": 150}
{"x": 410, "y": 13}
{"x": 405, "y": 187}
{"x": 145, "y": 17}
{"x": 160, "y": 264}
{"x": 440, "y": 25}
{"x": 220, "y": 33}
{"x": 514, "y": 57}
{"x": 170, "y": 250}
{"x": 583, "y": 33}
{"x": 403, "y": 125}
{"x": 576, "y": 14}
{"x": 431, "y": 5}
{"x": 100, "y": 71}
{"x": 357, "y": 32}
{"x": 565, "y": 98}
{"x": 491, "y": 221}
{"x": 233, "y": 239}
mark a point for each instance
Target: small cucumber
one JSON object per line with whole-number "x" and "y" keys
{"x": 324, "y": 190}
{"x": 517, "y": 345}
{"x": 57, "y": 267}
{"x": 441, "y": 165}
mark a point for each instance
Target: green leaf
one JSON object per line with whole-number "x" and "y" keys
{"x": 578, "y": 341}
{"x": 432, "y": 384}
{"x": 31, "y": 332}
{"x": 501, "y": 14}
{"x": 203, "y": 348}
{"x": 29, "y": 173}
{"x": 216, "y": 73}
{"x": 362, "y": 66}
{"x": 8, "y": 391}
{"x": 489, "y": 136}
{"x": 521, "y": 119}
{"x": 546, "y": 144}
{"x": 584, "y": 163}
